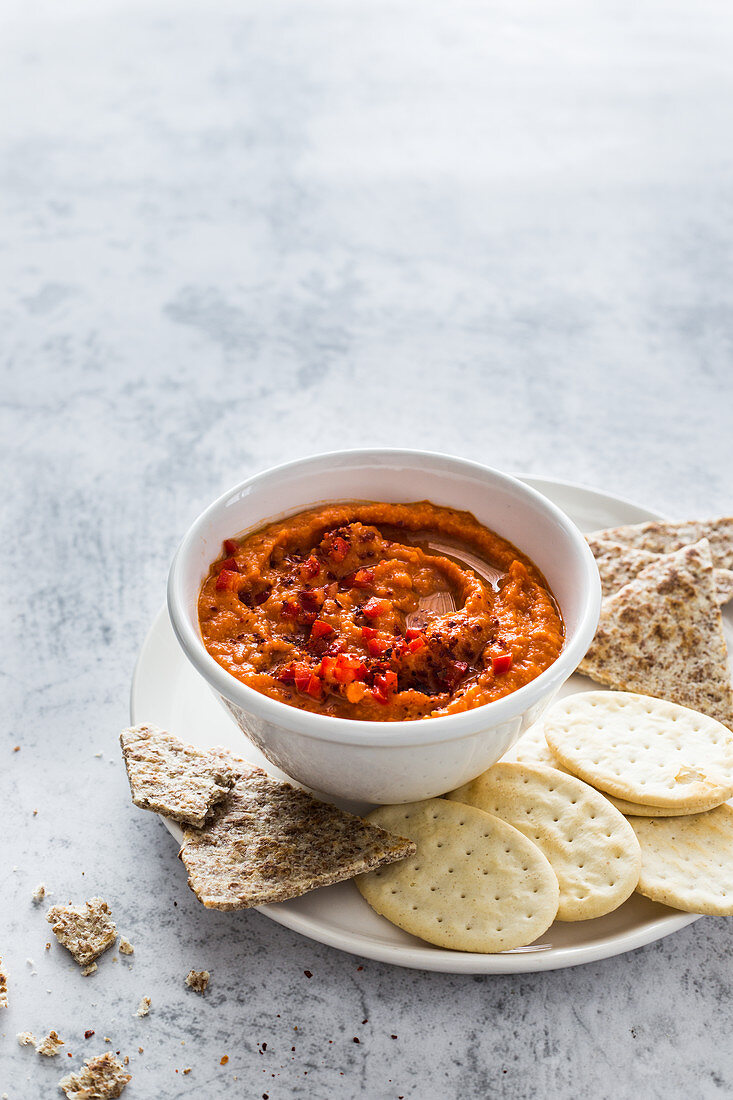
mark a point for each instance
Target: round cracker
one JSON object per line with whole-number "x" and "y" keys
{"x": 590, "y": 846}
{"x": 532, "y": 748}
{"x": 475, "y": 884}
{"x": 643, "y": 750}
{"x": 688, "y": 862}
{"x": 635, "y": 809}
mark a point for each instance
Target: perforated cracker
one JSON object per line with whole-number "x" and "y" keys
{"x": 589, "y": 845}
{"x": 643, "y": 750}
{"x": 532, "y": 748}
{"x": 475, "y": 883}
{"x": 688, "y": 862}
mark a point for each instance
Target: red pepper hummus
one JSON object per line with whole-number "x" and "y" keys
{"x": 379, "y": 612}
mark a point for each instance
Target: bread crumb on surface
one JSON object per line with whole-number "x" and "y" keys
{"x": 101, "y": 1078}
{"x": 198, "y": 980}
{"x": 39, "y": 894}
{"x": 144, "y": 1007}
{"x": 126, "y": 947}
{"x": 26, "y": 1038}
{"x": 50, "y": 1046}
{"x": 85, "y": 930}
{"x": 89, "y": 969}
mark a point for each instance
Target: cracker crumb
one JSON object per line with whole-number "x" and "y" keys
{"x": 125, "y": 1061}
{"x": 16, "y": 748}
{"x": 39, "y": 894}
{"x": 49, "y": 1046}
{"x": 101, "y": 1078}
{"x": 140, "y": 1050}
{"x": 144, "y": 1007}
{"x": 26, "y": 1038}
{"x": 186, "y": 1071}
{"x": 48, "y": 947}
{"x": 89, "y": 969}
{"x": 107, "y": 1039}
{"x": 3, "y": 986}
{"x": 85, "y": 930}
{"x": 29, "y": 962}
{"x": 198, "y": 980}
{"x": 126, "y": 947}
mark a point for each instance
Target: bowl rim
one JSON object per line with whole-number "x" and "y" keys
{"x": 361, "y": 732}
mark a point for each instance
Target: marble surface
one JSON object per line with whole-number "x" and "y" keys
{"x": 234, "y": 234}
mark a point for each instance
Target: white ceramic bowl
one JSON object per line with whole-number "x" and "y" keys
{"x": 390, "y": 761}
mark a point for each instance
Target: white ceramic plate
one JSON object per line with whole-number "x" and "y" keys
{"x": 168, "y": 692}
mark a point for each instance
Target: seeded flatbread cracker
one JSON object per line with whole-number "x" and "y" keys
{"x": 173, "y": 778}
{"x": 3, "y": 986}
{"x": 662, "y": 634}
{"x": 643, "y": 749}
{"x": 688, "y": 862}
{"x": 474, "y": 884}
{"x": 50, "y": 1045}
{"x": 85, "y": 930}
{"x": 589, "y": 845}
{"x": 664, "y": 538}
{"x": 619, "y": 564}
{"x": 198, "y": 980}
{"x": 101, "y": 1078}
{"x": 270, "y": 841}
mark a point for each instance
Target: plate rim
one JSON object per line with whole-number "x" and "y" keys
{"x": 430, "y": 957}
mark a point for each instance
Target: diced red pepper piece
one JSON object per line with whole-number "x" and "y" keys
{"x": 368, "y": 632}
{"x": 302, "y": 676}
{"x": 321, "y": 629}
{"x": 309, "y": 568}
{"x": 286, "y": 675}
{"x": 380, "y": 694}
{"x": 327, "y": 666}
{"x": 415, "y": 644}
{"x": 230, "y": 546}
{"x": 314, "y": 686}
{"x": 454, "y": 672}
{"x": 290, "y": 610}
{"x": 339, "y": 549}
{"x": 502, "y": 662}
{"x": 373, "y": 608}
{"x": 412, "y": 632}
{"x": 363, "y": 578}
{"x": 349, "y": 669}
{"x": 311, "y": 599}
{"x": 227, "y": 579}
{"x": 230, "y": 564}
{"x": 376, "y": 646}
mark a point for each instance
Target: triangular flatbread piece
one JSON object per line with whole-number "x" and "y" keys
{"x": 662, "y": 635}
{"x": 664, "y": 538}
{"x": 172, "y": 778}
{"x": 270, "y": 841}
{"x": 619, "y": 564}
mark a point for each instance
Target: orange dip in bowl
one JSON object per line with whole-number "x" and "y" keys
{"x": 383, "y": 612}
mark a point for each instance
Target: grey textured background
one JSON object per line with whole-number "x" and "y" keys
{"x": 237, "y": 233}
